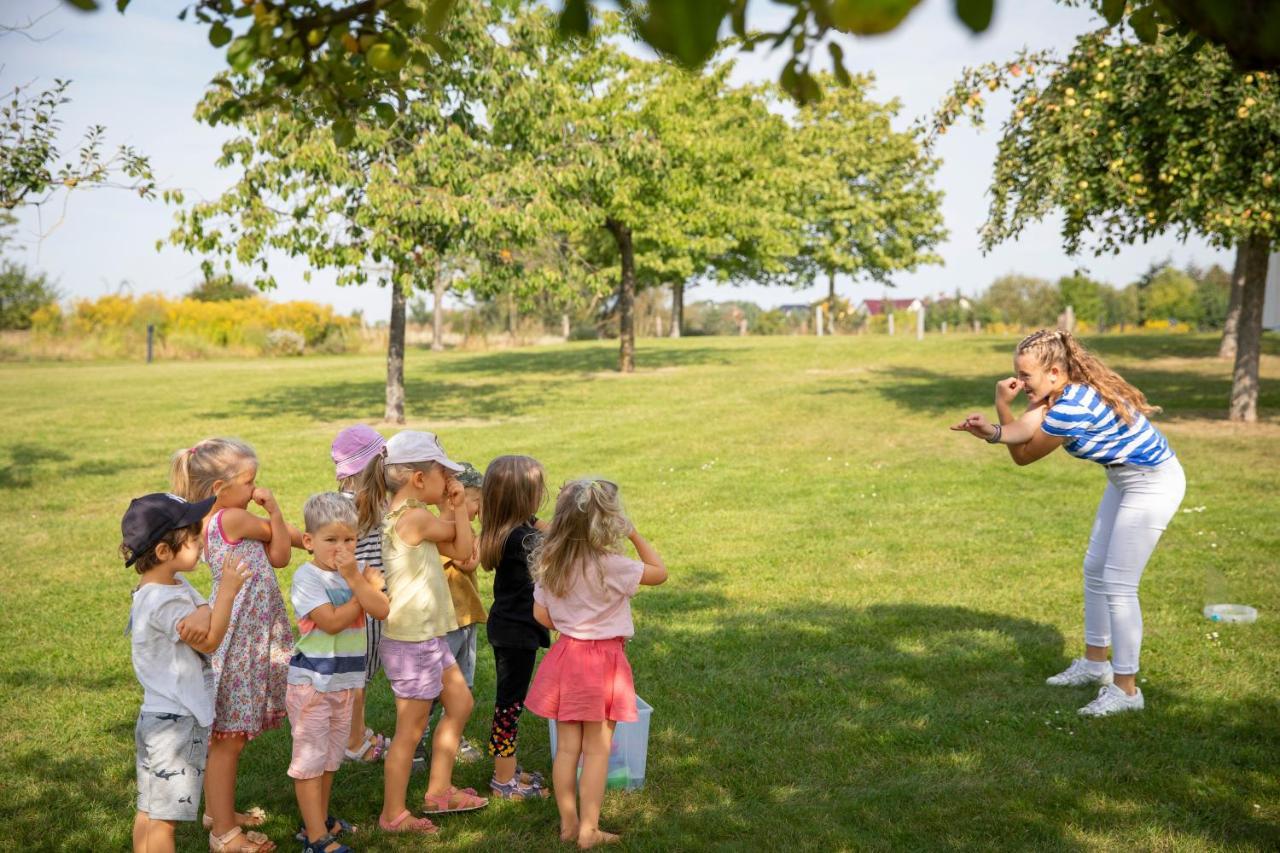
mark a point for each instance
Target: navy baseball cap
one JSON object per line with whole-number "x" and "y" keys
{"x": 150, "y": 517}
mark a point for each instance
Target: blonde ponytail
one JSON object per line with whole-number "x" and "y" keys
{"x": 194, "y": 470}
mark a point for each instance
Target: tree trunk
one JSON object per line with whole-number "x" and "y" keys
{"x": 566, "y": 327}
{"x": 1230, "y": 328}
{"x": 1244, "y": 380}
{"x": 513, "y": 317}
{"x": 626, "y": 296}
{"x": 677, "y": 309}
{"x": 395, "y": 355}
{"x": 437, "y": 314}
{"x": 831, "y": 301}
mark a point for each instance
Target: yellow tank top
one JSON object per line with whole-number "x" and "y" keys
{"x": 421, "y": 606}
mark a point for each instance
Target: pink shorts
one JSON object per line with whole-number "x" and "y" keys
{"x": 321, "y": 724}
{"x": 416, "y": 670}
{"x": 584, "y": 681}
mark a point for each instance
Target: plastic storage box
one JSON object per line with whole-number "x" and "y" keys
{"x": 629, "y": 753}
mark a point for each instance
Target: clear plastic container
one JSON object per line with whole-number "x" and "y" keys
{"x": 629, "y": 753}
{"x": 1241, "y": 613}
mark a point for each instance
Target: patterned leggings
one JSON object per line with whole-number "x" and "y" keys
{"x": 514, "y": 672}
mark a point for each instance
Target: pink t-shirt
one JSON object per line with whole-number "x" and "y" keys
{"x": 590, "y": 611}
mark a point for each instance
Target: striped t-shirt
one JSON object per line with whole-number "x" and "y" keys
{"x": 328, "y": 662}
{"x": 1093, "y": 431}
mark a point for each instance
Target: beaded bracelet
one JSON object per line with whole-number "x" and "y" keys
{"x": 995, "y": 439}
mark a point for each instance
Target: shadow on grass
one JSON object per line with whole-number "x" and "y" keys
{"x": 1139, "y": 347}
{"x": 424, "y": 398}
{"x": 584, "y": 359}
{"x": 18, "y": 471}
{"x": 1178, "y": 393}
{"x": 90, "y": 681}
{"x": 913, "y": 727}
{"x": 811, "y": 726}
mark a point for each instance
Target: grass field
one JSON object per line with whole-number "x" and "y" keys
{"x": 850, "y": 653}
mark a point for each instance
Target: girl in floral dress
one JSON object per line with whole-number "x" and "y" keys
{"x": 252, "y": 664}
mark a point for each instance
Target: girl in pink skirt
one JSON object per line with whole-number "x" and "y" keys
{"x": 583, "y": 588}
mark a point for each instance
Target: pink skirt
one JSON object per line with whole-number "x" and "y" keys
{"x": 584, "y": 681}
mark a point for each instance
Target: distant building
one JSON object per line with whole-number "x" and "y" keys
{"x": 877, "y": 307}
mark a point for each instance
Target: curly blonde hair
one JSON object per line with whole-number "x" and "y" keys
{"x": 589, "y": 523}
{"x": 1054, "y": 347}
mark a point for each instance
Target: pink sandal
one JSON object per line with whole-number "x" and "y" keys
{"x": 408, "y": 823}
{"x": 454, "y": 800}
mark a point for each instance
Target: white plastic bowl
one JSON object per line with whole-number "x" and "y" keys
{"x": 1241, "y": 613}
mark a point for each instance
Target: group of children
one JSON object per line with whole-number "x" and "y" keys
{"x": 376, "y": 591}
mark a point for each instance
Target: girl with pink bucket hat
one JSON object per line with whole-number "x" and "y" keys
{"x": 352, "y": 451}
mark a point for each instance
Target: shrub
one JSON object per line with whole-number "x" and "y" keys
{"x": 285, "y": 342}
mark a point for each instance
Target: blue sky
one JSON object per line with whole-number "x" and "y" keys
{"x": 141, "y": 74}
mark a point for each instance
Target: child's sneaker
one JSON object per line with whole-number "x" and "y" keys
{"x": 1112, "y": 700}
{"x": 467, "y": 752}
{"x": 1083, "y": 671}
{"x": 514, "y": 789}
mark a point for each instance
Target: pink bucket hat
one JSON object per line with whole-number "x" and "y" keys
{"x": 354, "y": 448}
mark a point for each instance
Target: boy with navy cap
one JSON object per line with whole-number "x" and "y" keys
{"x": 172, "y": 629}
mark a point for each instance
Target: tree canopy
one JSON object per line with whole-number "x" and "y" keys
{"x": 334, "y": 50}
{"x": 1128, "y": 141}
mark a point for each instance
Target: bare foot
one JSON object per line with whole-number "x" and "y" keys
{"x": 596, "y": 838}
{"x": 568, "y": 834}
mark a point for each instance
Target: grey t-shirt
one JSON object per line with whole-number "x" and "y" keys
{"x": 175, "y": 678}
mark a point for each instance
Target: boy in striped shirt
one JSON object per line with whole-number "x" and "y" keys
{"x": 331, "y": 595}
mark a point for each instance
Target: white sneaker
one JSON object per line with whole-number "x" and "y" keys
{"x": 1080, "y": 672}
{"x": 1112, "y": 700}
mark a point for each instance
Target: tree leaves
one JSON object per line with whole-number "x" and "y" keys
{"x": 1113, "y": 11}
{"x": 344, "y": 132}
{"x": 1145, "y": 25}
{"x": 684, "y": 29}
{"x": 575, "y": 19}
{"x": 869, "y": 17}
{"x": 976, "y": 14}
{"x": 219, "y": 34}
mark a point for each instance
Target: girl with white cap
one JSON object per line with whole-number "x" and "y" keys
{"x": 415, "y": 473}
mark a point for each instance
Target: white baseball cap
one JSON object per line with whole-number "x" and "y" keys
{"x": 413, "y": 446}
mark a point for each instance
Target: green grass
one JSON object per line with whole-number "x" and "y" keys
{"x": 851, "y": 650}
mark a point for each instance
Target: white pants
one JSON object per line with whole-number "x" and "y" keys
{"x": 1135, "y": 509}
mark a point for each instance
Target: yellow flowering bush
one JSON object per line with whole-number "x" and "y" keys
{"x": 199, "y": 328}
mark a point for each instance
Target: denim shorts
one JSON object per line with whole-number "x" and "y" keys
{"x": 170, "y": 755}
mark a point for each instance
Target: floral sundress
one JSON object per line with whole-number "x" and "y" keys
{"x": 251, "y": 667}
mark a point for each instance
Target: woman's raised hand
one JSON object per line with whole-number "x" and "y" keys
{"x": 976, "y": 424}
{"x": 1007, "y": 389}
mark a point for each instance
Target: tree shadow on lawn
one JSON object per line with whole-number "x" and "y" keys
{"x": 905, "y": 726}
{"x": 585, "y": 359}
{"x": 19, "y": 471}
{"x": 424, "y": 399}
{"x": 1139, "y": 347}
{"x": 1181, "y": 394}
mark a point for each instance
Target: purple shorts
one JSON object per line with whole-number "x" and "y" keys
{"x": 415, "y": 670}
